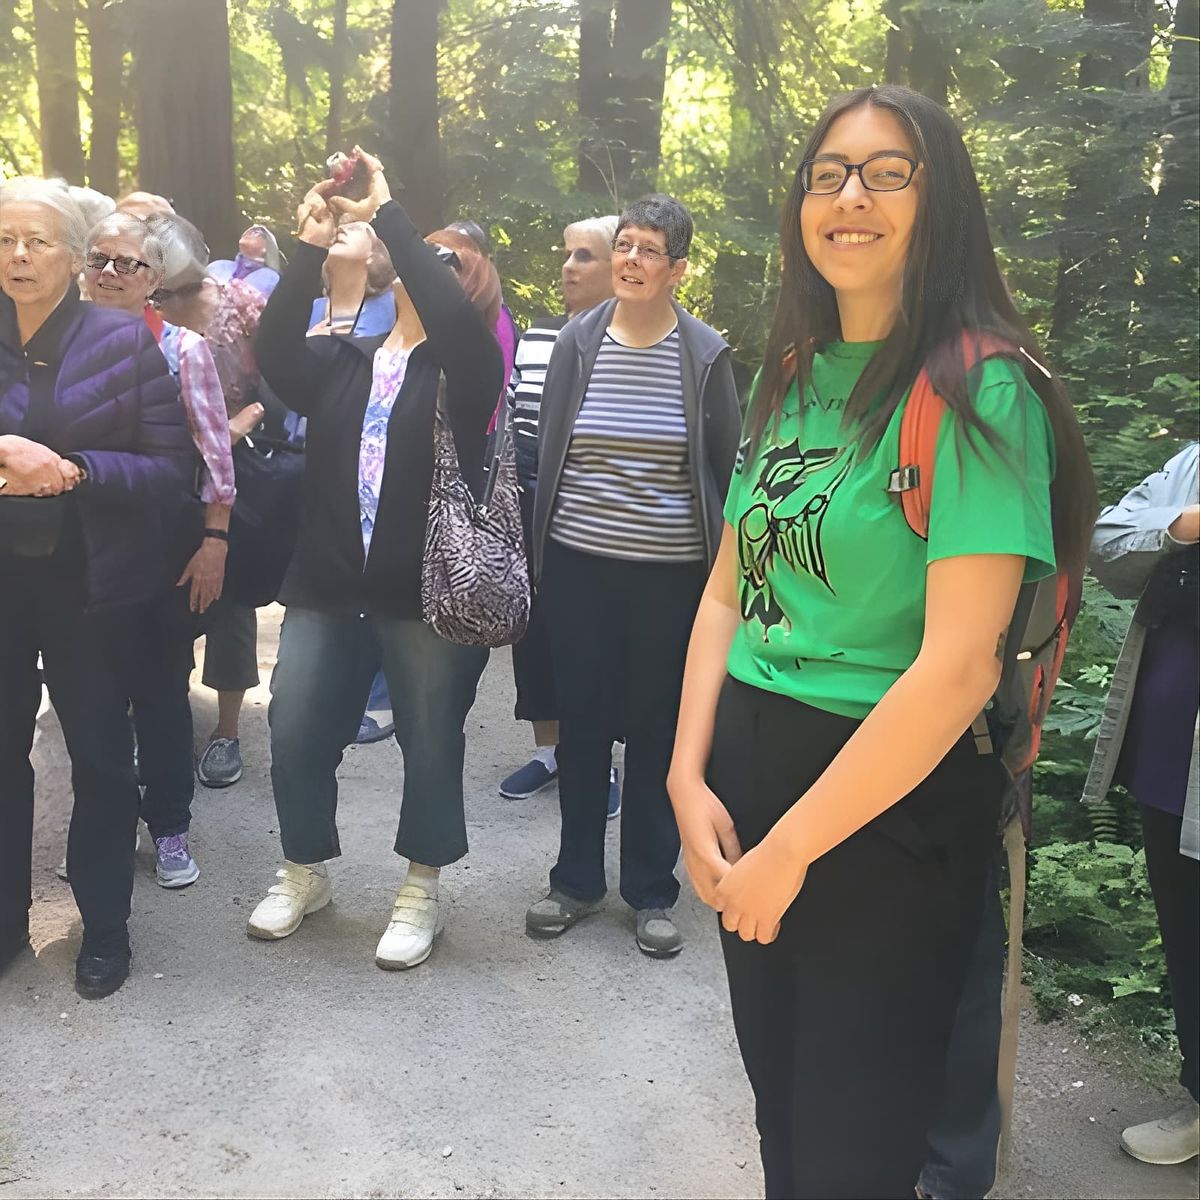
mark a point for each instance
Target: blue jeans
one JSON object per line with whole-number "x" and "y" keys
{"x": 318, "y": 692}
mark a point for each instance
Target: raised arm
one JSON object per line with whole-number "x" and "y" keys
{"x": 282, "y": 350}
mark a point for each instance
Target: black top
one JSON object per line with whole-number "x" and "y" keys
{"x": 328, "y": 379}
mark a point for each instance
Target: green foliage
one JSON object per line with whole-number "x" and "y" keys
{"x": 1091, "y": 932}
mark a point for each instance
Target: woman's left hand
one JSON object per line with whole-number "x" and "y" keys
{"x": 757, "y": 890}
{"x": 378, "y": 195}
{"x": 206, "y": 574}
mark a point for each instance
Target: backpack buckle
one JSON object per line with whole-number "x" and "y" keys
{"x": 904, "y": 479}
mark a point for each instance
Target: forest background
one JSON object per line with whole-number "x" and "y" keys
{"x": 1081, "y": 116}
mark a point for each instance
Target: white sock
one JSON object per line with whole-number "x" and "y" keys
{"x": 426, "y": 878}
{"x": 545, "y": 755}
{"x": 317, "y": 868}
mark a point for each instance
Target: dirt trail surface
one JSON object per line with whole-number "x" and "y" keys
{"x": 502, "y": 1067}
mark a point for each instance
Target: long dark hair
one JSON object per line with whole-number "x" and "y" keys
{"x": 952, "y": 285}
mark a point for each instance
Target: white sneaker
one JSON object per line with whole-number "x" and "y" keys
{"x": 1169, "y": 1140}
{"x": 408, "y": 939}
{"x": 301, "y": 890}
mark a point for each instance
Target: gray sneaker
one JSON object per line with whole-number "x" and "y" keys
{"x": 173, "y": 863}
{"x": 657, "y": 935}
{"x": 220, "y": 764}
{"x": 555, "y": 914}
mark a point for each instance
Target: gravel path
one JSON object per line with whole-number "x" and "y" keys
{"x": 503, "y": 1067}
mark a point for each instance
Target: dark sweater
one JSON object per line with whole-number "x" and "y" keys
{"x": 93, "y": 385}
{"x": 328, "y": 380}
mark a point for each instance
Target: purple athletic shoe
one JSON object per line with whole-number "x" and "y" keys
{"x": 173, "y": 863}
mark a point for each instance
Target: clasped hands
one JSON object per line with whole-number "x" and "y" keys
{"x": 322, "y": 210}
{"x": 31, "y": 469}
{"x": 751, "y": 890}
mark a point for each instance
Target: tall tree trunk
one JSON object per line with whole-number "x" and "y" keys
{"x": 622, "y": 76}
{"x": 58, "y": 88}
{"x": 1181, "y": 145}
{"x": 740, "y": 294}
{"x": 639, "y": 76}
{"x": 181, "y": 52}
{"x": 337, "y": 79}
{"x": 915, "y": 55}
{"x": 896, "y": 64}
{"x": 1094, "y": 263}
{"x": 107, "y": 53}
{"x": 416, "y": 146}
{"x": 596, "y": 172}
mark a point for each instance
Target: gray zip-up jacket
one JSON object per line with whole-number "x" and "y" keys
{"x": 1129, "y": 544}
{"x": 710, "y": 406}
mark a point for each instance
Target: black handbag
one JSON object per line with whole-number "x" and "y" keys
{"x": 265, "y": 521}
{"x": 30, "y": 525}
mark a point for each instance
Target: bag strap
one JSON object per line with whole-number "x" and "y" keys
{"x": 912, "y": 480}
{"x": 503, "y": 432}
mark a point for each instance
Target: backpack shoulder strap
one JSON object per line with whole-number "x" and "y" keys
{"x": 912, "y": 480}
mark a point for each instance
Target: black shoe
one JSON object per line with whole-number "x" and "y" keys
{"x": 97, "y": 976}
{"x": 11, "y": 944}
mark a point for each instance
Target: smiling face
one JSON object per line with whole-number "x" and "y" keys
{"x": 36, "y": 265}
{"x": 644, "y": 278}
{"x": 586, "y": 270}
{"x": 108, "y": 286}
{"x": 859, "y": 239}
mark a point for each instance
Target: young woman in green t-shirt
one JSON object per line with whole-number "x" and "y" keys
{"x": 831, "y": 801}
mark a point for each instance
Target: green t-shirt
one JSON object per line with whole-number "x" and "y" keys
{"x": 831, "y": 580}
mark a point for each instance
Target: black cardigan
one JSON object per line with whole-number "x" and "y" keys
{"x": 330, "y": 385}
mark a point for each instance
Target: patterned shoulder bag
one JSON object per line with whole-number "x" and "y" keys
{"x": 474, "y": 578}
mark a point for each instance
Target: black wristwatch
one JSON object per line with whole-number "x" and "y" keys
{"x": 221, "y": 535}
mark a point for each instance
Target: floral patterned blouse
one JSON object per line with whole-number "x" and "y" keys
{"x": 390, "y": 367}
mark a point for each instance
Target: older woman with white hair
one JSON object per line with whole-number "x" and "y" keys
{"x": 123, "y": 266}
{"x": 95, "y": 459}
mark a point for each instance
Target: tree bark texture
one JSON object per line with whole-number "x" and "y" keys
{"x": 58, "y": 89}
{"x": 416, "y": 148}
{"x": 1099, "y": 244}
{"x": 108, "y": 54}
{"x": 185, "y": 112}
{"x": 622, "y": 76}
{"x": 337, "y": 79}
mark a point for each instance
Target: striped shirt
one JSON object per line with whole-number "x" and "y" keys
{"x": 529, "y": 377}
{"x": 626, "y": 488}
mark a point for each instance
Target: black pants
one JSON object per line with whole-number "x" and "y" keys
{"x": 157, "y": 665}
{"x": 618, "y": 639}
{"x": 533, "y": 673}
{"x": 1175, "y": 883}
{"x": 844, "y": 1021}
{"x": 41, "y": 609}
{"x": 965, "y": 1134}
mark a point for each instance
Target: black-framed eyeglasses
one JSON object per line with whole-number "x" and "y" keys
{"x": 123, "y": 264}
{"x": 648, "y": 254}
{"x": 888, "y": 172}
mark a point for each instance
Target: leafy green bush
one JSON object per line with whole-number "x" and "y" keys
{"x": 1092, "y": 933}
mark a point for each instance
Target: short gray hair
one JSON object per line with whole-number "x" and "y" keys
{"x": 604, "y": 228}
{"x": 95, "y": 205}
{"x": 185, "y": 252}
{"x": 52, "y": 194}
{"x": 664, "y": 214}
{"x": 152, "y": 251}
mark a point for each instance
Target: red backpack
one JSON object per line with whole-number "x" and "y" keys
{"x": 1011, "y": 724}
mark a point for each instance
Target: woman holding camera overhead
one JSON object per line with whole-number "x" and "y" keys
{"x": 353, "y": 588}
